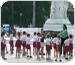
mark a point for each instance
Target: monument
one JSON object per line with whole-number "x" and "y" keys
{"x": 58, "y": 17}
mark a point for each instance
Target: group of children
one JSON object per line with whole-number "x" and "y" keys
{"x": 24, "y": 41}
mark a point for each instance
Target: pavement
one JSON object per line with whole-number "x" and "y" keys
{"x": 23, "y": 59}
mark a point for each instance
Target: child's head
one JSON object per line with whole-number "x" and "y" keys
{"x": 70, "y": 36}
{"x": 59, "y": 37}
{"x": 28, "y": 35}
{"x": 38, "y": 34}
{"x": 48, "y": 36}
{"x": 24, "y": 32}
{"x": 67, "y": 37}
{"x": 34, "y": 33}
{"x": 11, "y": 32}
{"x": 55, "y": 35}
{"x": 3, "y": 33}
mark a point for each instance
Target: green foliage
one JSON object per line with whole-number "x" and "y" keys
{"x": 42, "y": 10}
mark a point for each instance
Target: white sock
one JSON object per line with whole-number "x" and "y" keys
{"x": 60, "y": 57}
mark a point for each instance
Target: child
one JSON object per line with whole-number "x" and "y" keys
{"x": 23, "y": 39}
{"x": 18, "y": 45}
{"x": 48, "y": 47}
{"x": 66, "y": 42}
{"x": 58, "y": 48}
{"x": 3, "y": 45}
{"x": 70, "y": 46}
{"x": 54, "y": 44}
{"x": 11, "y": 42}
{"x": 28, "y": 44}
{"x": 34, "y": 43}
{"x": 38, "y": 45}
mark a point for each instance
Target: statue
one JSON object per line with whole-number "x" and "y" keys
{"x": 61, "y": 8}
{"x": 52, "y": 10}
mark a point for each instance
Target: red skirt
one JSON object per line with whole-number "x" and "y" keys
{"x": 70, "y": 46}
{"x": 66, "y": 48}
{"x": 54, "y": 46}
{"x": 28, "y": 46}
{"x": 3, "y": 46}
{"x": 38, "y": 45}
{"x": 34, "y": 44}
{"x": 59, "y": 48}
{"x": 24, "y": 44}
{"x": 47, "y": 48}
{"x": 18, "y": 44}
{"x": 11, "y": 42}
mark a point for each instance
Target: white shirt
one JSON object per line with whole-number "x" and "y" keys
{"x": 71, "y": 40}
{"x": 58, "y": 42}
{"x": 23, "y": 38}
{"x": 54, "y": 40}
{"x": 11, "y": 36}
{"x": 39, "y": 39}
{"x": 66, "y": 42}
{"x": 28, "y": 39}
{"x": 48, "y": 40}
{"x": 3, "y": 39}
{"x": 34, "y": 38}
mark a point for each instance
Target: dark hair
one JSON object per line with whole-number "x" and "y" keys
{"x": 11, "y": 32}
{"x": 28, "y": 35}
{"x": 58, "y": 36}
{"x": 70, "y": 36}
{"x": 38, "y": 33}
{"x": 3, "y": 33}
{"x": 55, "y": 35}
{"x": 65, "y": 26}
{"x": 19, "y": 34}
{"x": 67, "y": 37}
{"x": 41, "y": 28}
{"x": 34, "y": 33}
{"x": 24, "y": 32}
{"x": 48, "y": 36}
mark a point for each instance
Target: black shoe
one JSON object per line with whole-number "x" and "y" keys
{"x": 27, "y": 56}
{"x": 6, "y": 52}
{"x": 24, "y": 54}
{"x": 30, "y": 56}
{"x": 5, "y": 58}
{"x": 43, "y": 53}
{"x": 39, "y": 53}
{"x": 60, "y": 60}
{"x": 56, "y": 60}
{"x": 66, "y": 58}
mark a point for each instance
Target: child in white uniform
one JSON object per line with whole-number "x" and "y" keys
{"x": 54, "y": 43}
{"x": 34, "y": 43}
{"x": 48, "y": 49}
{"x": 23, "y": 39}
{"x": 58, "y": 48}
{"x": 28, "y": 44}
{"x": 66, "y": 42}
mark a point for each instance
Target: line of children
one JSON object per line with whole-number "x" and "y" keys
{"x": 24, "y": 41}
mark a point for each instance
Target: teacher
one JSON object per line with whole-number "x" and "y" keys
{"x": 63, "y": 34}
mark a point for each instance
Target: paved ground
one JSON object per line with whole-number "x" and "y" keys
{"x": 12, "y": 57}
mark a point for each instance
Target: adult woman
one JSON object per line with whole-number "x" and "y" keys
{"x": 63, "y": 34}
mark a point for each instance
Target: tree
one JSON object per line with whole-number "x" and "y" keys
{"x": 42, "y": 10}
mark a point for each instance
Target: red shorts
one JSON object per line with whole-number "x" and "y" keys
{"x": 11, "y": 42}
{"x": 54, "y": 46}
{"x": 38, "y": 45}
{"x": 24, "y": 44}
{"x": 3, "y": 46}
{"x": 66, "y": 48}
{"x": 34, "y": 44}
{"x": 70, "y": 46}
{"x": 18, "y": 44}
{"x": 47, "y": 48}
{"x": 59, "y": 48}
{"x": 28, "y": 46}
